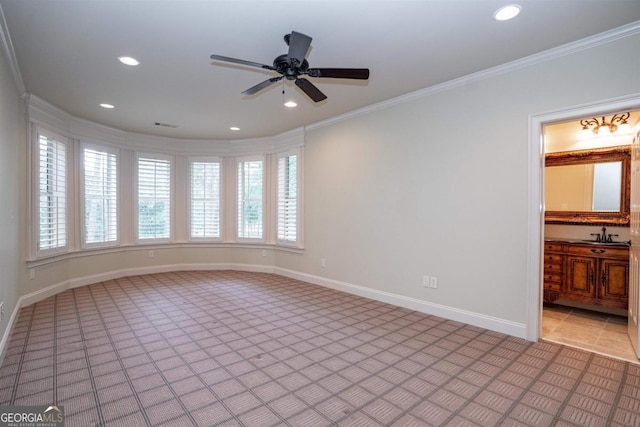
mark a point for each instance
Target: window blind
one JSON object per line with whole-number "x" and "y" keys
{"x": 250, "y": 199}
{"x": 154, "y": 198}
{"x": 205, "y": 199}
{"x": 52, "y": 208}
{"x": 100, "y": 196}
{"x": 287, "y": 198}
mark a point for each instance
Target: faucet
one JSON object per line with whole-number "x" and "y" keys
{"x": 604, "y": 237}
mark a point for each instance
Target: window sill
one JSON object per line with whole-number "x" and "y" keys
{"x": 53, "y": 258}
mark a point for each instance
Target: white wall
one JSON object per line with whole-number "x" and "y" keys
{"x": 12, "y": 160}
{"x": 436, "y": 186}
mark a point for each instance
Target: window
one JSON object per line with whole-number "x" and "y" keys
{"x": 205, "y": 199}
{"x": 287, "y": 198}
{"x": 98, "y": 194}
{"x": 52, "y": 203}
{"x": 250, "y": 199}
{"x": 154, "y": 197}
{"x": 100, "y": 179}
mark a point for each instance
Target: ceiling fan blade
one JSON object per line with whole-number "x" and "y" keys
{"x": 241, "y": 61}
{"x": 340, "y": 73}
{"x": 298, "y": 47}
{"x": 257, "y": 88}
{"x": 310, "y": 89}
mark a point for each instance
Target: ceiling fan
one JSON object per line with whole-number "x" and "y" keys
{"x": 293, "y": 64}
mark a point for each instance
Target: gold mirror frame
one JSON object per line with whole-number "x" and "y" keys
{"x": 597, "y": 155}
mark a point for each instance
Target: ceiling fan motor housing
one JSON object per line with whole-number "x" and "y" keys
{"x": 283, "y": 65}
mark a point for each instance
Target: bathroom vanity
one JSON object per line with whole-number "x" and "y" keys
{"x": 595, "y": 273}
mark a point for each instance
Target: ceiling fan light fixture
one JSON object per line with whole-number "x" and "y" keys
{"x": 507, "y": 12}
{"x": 290, "y": 104}
{"x": 107, "y": 106}
{"x": 234, "y": 128}
{"x": 128, "y": 60}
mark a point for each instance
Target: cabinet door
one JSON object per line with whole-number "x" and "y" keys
{"x": 614, "y": 281}
{"x": 581, "y": 278}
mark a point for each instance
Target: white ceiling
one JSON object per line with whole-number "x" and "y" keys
{"x": 66, "y": 52}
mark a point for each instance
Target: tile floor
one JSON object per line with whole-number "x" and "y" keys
{"x": 589, "y": 330}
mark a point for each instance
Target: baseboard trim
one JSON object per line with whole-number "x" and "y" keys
{"x": 480, "y": 320}
{"x": 475, "y": 319}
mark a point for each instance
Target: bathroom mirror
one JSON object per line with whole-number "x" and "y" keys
{"x": 588, "y": 186}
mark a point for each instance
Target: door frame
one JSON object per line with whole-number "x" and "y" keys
{"x": 535, "y": 219}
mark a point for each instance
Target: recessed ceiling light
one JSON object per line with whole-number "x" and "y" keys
{"x": 290, "y": 104}
{"x": 507, "y": 12}
{"x": 108, "y": 106}
{"x": 127, "y": 60}
{"x": 234, "y": 128}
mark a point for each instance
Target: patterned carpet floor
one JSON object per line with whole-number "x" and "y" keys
{"x": 252, "y": 349}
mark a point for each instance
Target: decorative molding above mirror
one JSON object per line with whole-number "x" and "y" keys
{"x": 588, "y": 187}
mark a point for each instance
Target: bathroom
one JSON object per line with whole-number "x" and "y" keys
{"x": 587, "y": 237}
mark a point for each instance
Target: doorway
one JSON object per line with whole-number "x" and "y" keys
{"x": 605, "y": 331}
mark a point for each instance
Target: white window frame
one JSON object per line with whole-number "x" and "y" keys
{"x": 83, "y": 232}
{"x": 264, "y": 225}
{"x": 136, "y": 207}
{"x": 298, "y": 198}
{"x": 39, "y": 132}
{"x": 189, "y": 208}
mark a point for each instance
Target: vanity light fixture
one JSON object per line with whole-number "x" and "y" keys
{"x": 507, "y": 12}
{"x": 601, "y": 127}
{"x": 128, "y": 60}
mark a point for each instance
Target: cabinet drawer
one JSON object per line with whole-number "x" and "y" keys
{"x": 552, "y": 286}
{"x": 552, "y": 258}
{"x": 599, "y": 251}
{"x": 551, "y": 267}
{"x": 557, "y": 247}
{"x": 552, "y": 277}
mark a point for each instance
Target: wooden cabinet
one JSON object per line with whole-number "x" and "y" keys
{"x": 587, "y": 273}
{"x": 553, "y": 271}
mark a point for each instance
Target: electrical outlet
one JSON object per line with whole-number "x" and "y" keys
{"x": 264, "y": 252}
{"x": 323, "y": 263}
{"x": 32, "y": 273}
{"x": 430, "y": 282}
{"x": 151, "y": 254}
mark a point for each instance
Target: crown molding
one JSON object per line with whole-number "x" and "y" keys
{"x": 10, "y": 54}
{"x": 59, "y": 121}
{"x": 538, "y": 58}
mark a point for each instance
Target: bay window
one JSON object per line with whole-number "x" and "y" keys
{"x": 94, "y": 193}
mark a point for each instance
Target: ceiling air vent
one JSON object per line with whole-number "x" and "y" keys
{"x": 165, "y": 125}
